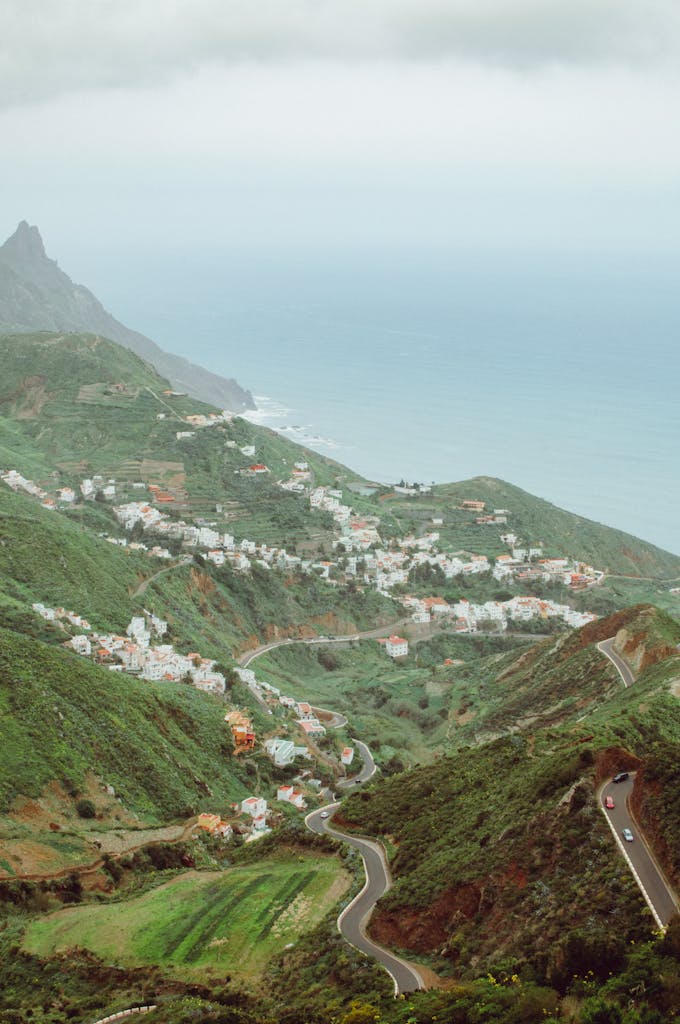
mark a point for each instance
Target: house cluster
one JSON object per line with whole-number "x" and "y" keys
{"x": 281, "y": 750}
{"x": 290, "y": 795}
{"x": 255, "y": 808}
{"x": 328, "y": 499}
{"x": 212, "y": 419}
{"x": 17, "y": 482}
{"x": 216, "y": 546}
{"x": 137, "y": 545}
{"x": 387, "y": 569}
{"x": 300, "y": 476}
{"x": 134, "y": 653}
{"x": 61, "y": 615}
{"x": 215, "y": 826}
{"x": 249, "y": 820}
{"x": 500, "y": 614}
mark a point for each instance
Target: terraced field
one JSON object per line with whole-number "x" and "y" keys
{"x": 229, "y": 922}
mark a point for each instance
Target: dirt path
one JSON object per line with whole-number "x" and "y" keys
{"x": 141, "y": 589}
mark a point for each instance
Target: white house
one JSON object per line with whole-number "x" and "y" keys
{"x": 396, "y": 646}
{"x": 286, "y": 794}
{"x": 255, "y": 806}
{"x": 281, "y": 751}
{"x": 347, "y": 755}
{"x": 82, "y": 645}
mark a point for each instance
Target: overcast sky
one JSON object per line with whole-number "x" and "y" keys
{"x": 493, "y": 123}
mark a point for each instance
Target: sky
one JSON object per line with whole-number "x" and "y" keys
{"x": 488, "y": 124}
{"x": 178, "y": 138}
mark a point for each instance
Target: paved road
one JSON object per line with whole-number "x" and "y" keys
{"x": 606, "y": 647}
{"x": 374, "y": 634}
{"x": 368, "y": 634}
{"x": 368, "y": 767}
{"x": 354, "y": 918}
{"x": 648, "y": 875}
{"x": 331, "y": 719}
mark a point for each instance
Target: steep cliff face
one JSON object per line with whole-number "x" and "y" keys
{"x": 35, "y": 294}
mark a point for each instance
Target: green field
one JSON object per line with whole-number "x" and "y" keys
{"x": 230, "y": 922}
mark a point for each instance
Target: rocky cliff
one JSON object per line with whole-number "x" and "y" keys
{"x": 35, "y": 294}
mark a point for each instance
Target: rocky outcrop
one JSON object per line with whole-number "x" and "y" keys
{"x": 36, "y": 295}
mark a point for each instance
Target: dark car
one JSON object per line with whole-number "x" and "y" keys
{"x": 621, "y": 777}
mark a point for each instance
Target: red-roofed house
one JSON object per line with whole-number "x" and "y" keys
{"x": 396, "y": 646}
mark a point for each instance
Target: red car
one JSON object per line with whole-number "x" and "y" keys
{"x": 609, "y": 802}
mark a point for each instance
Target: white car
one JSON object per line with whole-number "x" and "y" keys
{"x": 325, "y": 814}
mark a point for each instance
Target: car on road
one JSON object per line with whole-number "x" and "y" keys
{"x": 621, "y": 777}
{"x": 325, "y": 814}
{"x": 609, "y": 803}
{"x": 627, "y": 835}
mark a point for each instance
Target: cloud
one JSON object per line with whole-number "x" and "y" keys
{"x": 50, "y": 47}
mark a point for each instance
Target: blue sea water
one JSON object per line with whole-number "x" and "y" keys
{"x": 558, "y": 374}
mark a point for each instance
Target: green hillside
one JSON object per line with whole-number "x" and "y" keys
{"x": 163, "y": 747}
{"x": 73, "y": 405}
{"x": 47, "y": 557}
{"x": 534, "y": 521}
{"x": 483, "y": 841}
{"x": 556, "y": 681}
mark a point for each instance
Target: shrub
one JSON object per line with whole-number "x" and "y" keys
{"x": 86, "y": 809}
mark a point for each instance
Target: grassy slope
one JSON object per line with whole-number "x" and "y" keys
{"x": 231, "y": 922}
{"x": 47, "y": 557}
{"x": 164, "y": 747}
{"x": 230, "y": 608}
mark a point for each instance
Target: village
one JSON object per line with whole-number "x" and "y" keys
{"x": 359, "y": 555}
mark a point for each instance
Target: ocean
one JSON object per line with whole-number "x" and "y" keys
{"x": 559, "y": 374}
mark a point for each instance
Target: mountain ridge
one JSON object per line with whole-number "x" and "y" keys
{"x": 35, "y": 294}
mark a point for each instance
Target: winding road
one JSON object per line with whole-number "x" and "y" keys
{"x": 354, "y": 918}
{"x": 368, "y": 634}
{"x": 649, "y": 876}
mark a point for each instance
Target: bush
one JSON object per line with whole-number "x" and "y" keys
{"x": 86, "y": 809}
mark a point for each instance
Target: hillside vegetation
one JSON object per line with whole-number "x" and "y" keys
{"x": 164, "y": 747}
{"x": 484, "y": 840}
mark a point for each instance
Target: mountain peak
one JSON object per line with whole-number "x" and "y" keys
{"x": 25, "y": 244}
